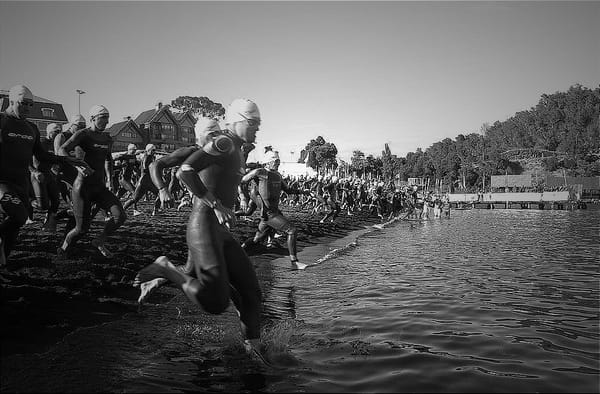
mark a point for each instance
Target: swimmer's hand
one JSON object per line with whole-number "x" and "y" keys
{"x": 225, "y": 215}
{"x": 38, "y": 175}
{"x": 79, "y": 164}
{"x": 243, "y": 204}
{"x": 84, "y": 170}
{"x": 76, "y": 162}
{"x": 166, "y": 200}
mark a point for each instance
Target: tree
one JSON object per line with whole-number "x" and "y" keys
{"x": 358, "y": 163}
{"x": 320, "y": 155}
{"x": 444, "y": 161}
{"x": 373, "y": 166}
{"x": 199, "y": 106}
{"x": 389, "y": 163}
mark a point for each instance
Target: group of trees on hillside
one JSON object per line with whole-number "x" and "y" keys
{"x": 561, "y": 132}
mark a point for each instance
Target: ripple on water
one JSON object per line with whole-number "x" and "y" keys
{"x": 503, "y": 300}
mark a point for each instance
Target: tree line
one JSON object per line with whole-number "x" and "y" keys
{"x": 560, "y": 132}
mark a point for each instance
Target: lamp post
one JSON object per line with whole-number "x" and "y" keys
{"x": 79, "y": 93}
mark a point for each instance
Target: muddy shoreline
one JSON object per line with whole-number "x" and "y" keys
{"x": 44, "y": 298}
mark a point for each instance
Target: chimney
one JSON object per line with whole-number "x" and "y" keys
{"x": 159, "y": 105}
{"x": 127, "y": 118}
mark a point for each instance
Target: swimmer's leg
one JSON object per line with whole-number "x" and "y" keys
{"x": 148, "y": 287}
{"x": 247, "y": 295}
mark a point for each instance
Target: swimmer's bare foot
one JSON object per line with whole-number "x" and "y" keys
{"x": 298, "y": 265}
{"x": 146, "y": 288}
{"x": 153, "y": 271}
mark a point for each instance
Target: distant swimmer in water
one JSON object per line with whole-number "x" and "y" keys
{"x": 223, "y": 271}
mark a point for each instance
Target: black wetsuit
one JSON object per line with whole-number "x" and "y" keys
{"x": 19, "y": 142}
{"x": 330, "y": 195}
{"x": 44, "y": 184}
{"x": 270, "y": 185}
{"x": 145, "y": 184}
{"x": 91, "y": 189}
{"x": 128, "y": 168}
{"x": 223, "y": 269}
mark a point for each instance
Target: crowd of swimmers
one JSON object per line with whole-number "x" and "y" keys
{"x": 76, "y": 164}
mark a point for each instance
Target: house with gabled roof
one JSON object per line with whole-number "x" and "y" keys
{"x": 125, "y": 133}
{"x": 161, "y": 127}
{"x": 42, "y": 113}
{"x": 186, "y": 122}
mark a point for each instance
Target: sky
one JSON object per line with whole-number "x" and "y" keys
{"x": 359, "y": 74}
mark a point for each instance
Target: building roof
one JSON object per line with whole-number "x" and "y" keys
{"x": 145, "y": 116}
{"x": 180, "y": 117}
{"x": 116, "y": 128}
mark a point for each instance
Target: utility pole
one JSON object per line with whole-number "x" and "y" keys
{"x": 79, "y": 93}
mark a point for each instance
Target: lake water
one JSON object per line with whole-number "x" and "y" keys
{"x": 486, "y": 301}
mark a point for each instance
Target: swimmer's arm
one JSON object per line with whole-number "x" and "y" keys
{"x": 70, "y": 144}
{"x": 252, "y": 174}
{"x": 188, "y": 174}
{"x": 43, "y": 155}
{"x": 173, "y": 159}
{"x": 123, "y": 156}
{"x": 108, "y": 168}
{"x": 58, "y": 141}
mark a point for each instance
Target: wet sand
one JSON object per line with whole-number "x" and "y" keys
{"x": 49, "y": 304}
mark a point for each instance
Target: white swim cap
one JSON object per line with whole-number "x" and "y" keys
{"x": 270, "y": 156}
{"x": 77, "y": 119}
{"x": 20, "y": 93}
{"x": 204, "y": 126}
{"x": 131, "y": 146}
{"x": 240, "y": 110}
{"x": 98, "y": 110}
{"x": 150, "y": 147}
{"x": 334, "y": 179}
{"x": 53, "y": 127}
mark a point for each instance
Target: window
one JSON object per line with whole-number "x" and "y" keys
{"x": 187, "y": 134}
{"x": 41, "y": 125}
{"x": 48, "y": 112}
{"x": 128, "y": 134}
{"x": 155, "y": 128}
{"x": 168, "y": 130}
